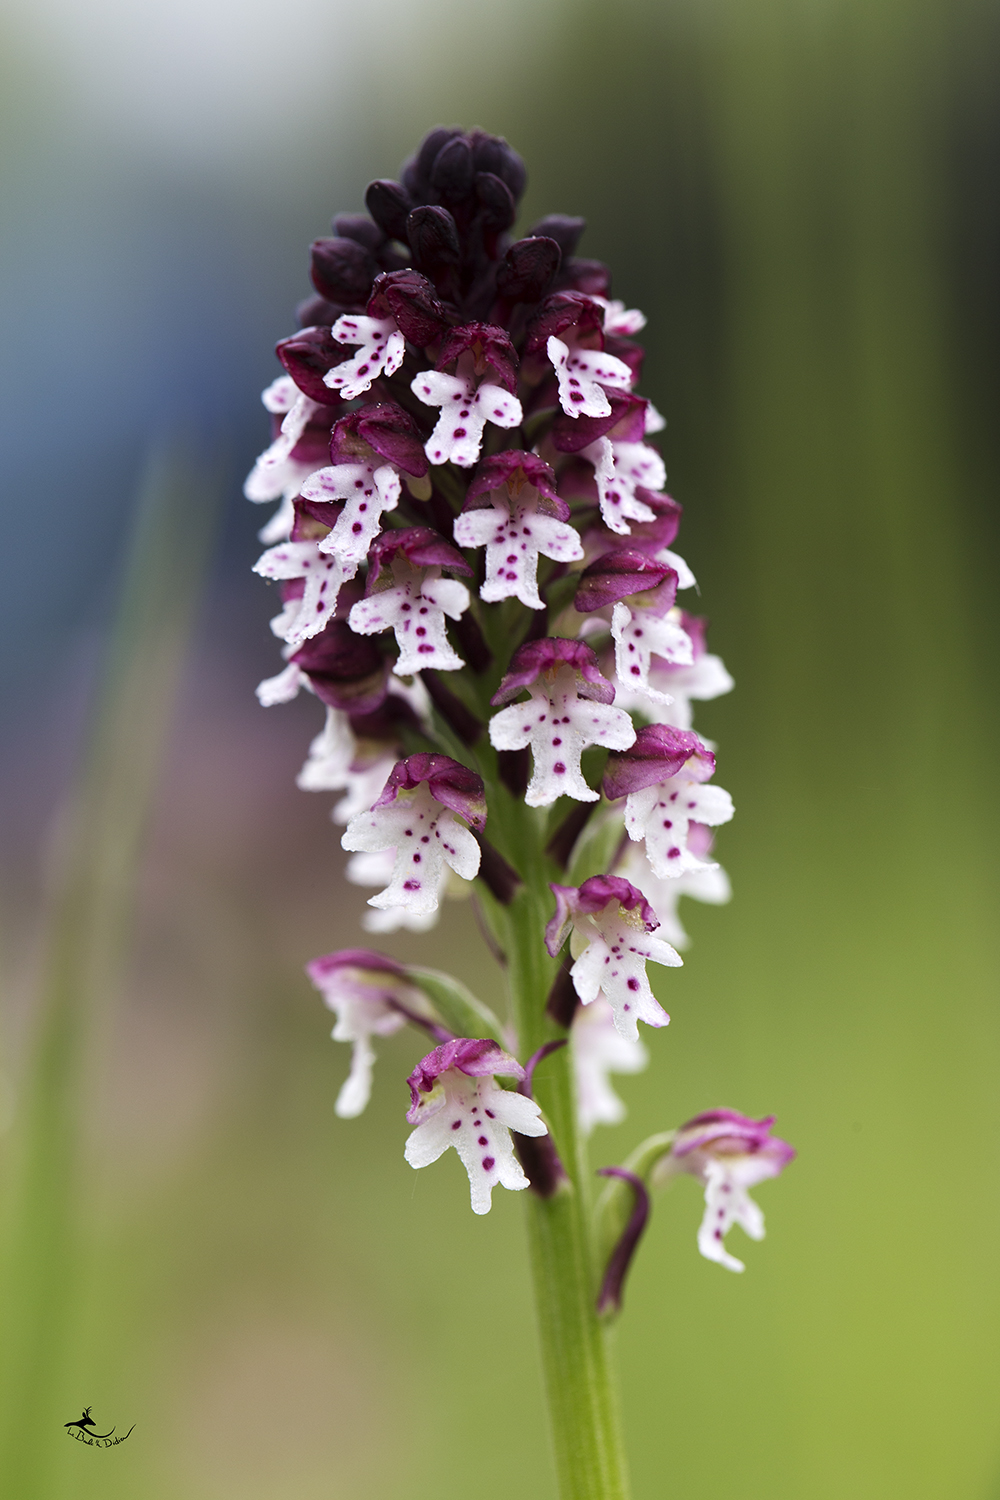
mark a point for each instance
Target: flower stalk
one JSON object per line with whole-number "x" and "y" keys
{"x": 474, "y": 550}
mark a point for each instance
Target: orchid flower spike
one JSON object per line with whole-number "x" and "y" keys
{"x": 663, "y": 776}
{"x": 370, "y": 996}
{"x": 457, "y": 1102}
{"x": 416, "y": 816}
{"x": 729, "y": 1153}
{"x": 611, "y": 924}
{"x": 569, "y": 708}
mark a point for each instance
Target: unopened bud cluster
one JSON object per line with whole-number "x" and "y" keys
{"x": 473, "y": 547}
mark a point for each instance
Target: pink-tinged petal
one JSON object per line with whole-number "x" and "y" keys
{"x": 308, "y": 356}
{"x": 660, "y": 751}
{"x": 625, "y": 422}
{"x": 618, "y": 575}
{"x": 450, "y": 783}
{"x": 476, "y": 1059}
{"x": 385, "y": 429}
{"x": 491, "y": 350}
{"x": 515, "y": 467}
{"x": 534, "y": 658}
{"x": 419, "y": 545}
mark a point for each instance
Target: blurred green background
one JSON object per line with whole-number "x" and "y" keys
{"x": 801, "y": 194}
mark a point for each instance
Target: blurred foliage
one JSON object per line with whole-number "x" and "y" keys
{"x": 800, "y": 197}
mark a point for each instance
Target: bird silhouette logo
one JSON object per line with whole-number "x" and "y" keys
{"x": 85, "y": 1426}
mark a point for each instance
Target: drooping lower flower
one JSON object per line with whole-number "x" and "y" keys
{"x": 570, "y": 707}
{"x": 370, "y": 996}
{"x": 599, "y": 1049}
{"x": 457, "y": 1102}
{"x": 729, "y": 1153}
{"x": 416, "y": 816}
{"x": 611, "y": 924}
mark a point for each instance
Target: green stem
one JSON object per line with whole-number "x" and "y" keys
{"x": 576, "y": 1359}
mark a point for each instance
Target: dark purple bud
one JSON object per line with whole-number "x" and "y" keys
{"x": 628, "y": 352}
{"x": 314, "y": 519}
{"x": 535, "y": 657}
{"x": 514, "y": 769}
{"x": 563, "y": 1000}
{"x": 389, "y": 205}
{"x": 645, "y": 536}
{"x": 537, "y": 1154}
{"x": 471, "y": 641}
{"x": 527, "y": 269}
{"x": 433, "y": 239}
{"x": 500, "y": 878}
{"x": 609, "y": 1298}
{"x": 496, "y": 202}
{"x": 515, "y": 467}
{"x": 360, "y": 228}
{"x": 560, "y": 846}
{"x": 420, "y": 545}
{"x": 452, "y": 172}
{"x": 466, "y": 726}
{"x": 316, "y": 312}
{"x": 429, "y": 147}
{"x": 384, "y": 427}
{"x": 561, "y": 311}
{"x": 314, "y": 444}
{"x": 345, "y": 670}
{"x": 491, "y": 153}
{"x": 627, "y": 422}
{"x": 385, "y": 722}
{"x": 342, "y": 270}
{"x": 307, "y": 356}
{"x": 660, "y": 751}
{"x": 449, "y": 782}
{"x": 591, "y": 277}
{"x": 491, "y": 347}
{"x": 618, "y": 575}
{"x": 410, "y": 299}
{"x": 562, "y": 228}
